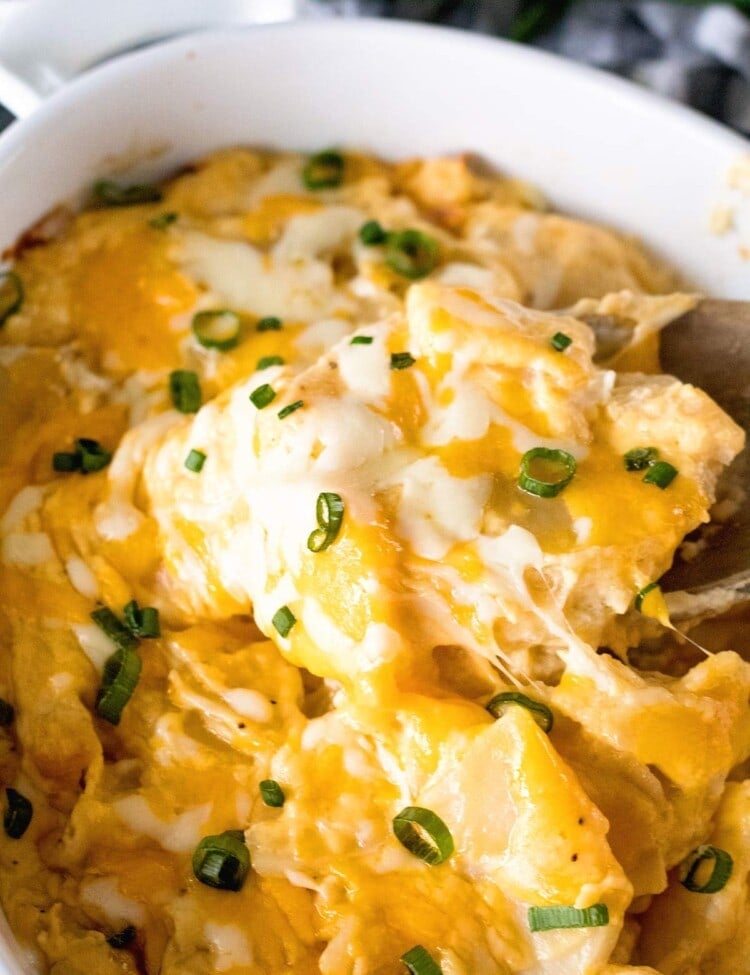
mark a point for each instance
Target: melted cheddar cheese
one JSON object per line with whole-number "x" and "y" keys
{"x": 446, "y": 583}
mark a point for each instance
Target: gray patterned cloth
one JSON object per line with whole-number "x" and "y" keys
{"x": 696, "y": 54}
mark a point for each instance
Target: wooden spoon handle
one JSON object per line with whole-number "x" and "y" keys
{"x": 710, "y": 348}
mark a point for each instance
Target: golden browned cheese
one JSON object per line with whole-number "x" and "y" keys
{"x": 407, "y": 369}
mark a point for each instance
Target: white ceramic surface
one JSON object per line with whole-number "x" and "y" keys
{"x": 598, "y": 146}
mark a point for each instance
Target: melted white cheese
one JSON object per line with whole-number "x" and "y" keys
{"x": 242, "y": 277}
{"x": 181, "y": 834}
{"x": 27, "y": 501}
{"x": 27, "y": 549}
{"x": 81, "y": 577}
{"x": 230, "y": 944}
{"x": 95, "y": 643}
{"x": 436, "y": 510}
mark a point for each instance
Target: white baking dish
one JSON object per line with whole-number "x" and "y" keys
{"x": 598, "y": 146}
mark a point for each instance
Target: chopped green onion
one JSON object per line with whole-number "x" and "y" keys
{"x": 641, "y": 595}
{"x": 329, "y": 511}
{"x": 552, "y": 471}
{"x": 106, "y": 620}
{"x": 116, "y": 195}
{"x": 660, "y": 473}
{"x": 120, "y": 678}
{"x": 64, "y": 462}
{"x": 143, "y": 623}
{"x": 7, "y": 713}
{"x": 122, "y": 939}
{"x": 185, "y": 390}
{"x": 269, "y": 324}
{"x": 539, "y": 712}
{"x": 262, "y": 396}
{"x": 269, "y": 360}
{"x": 163, "y": 221}
{"x": 552, "y": 918}
{"x": 424, "y": 834}
{"x": 640, "y": 458}
{"x": 361, "y": 340}
{"x": 88, "y": 457}
{"x": 17, "y": 815}
{"x": 271, "y": 793}
{"x": 93, "y": 456}
{"x": 283, "y": 621}
{"x": 371, "y": 233}
{"x": 560, "y": 341}
{"x": 217, "y": 329}
{"x": 720, "y": 874}
{"x": 290, "y": 409}
{"x": 324, "y": 170}
{"x": 419, "y": 961}
{"x": 195, "y": 461}
{"x": 411, "y": 253}
{"x": 402, "y": 360}
{"x": 222, "y": 861}
{"x": 11, "y": 295}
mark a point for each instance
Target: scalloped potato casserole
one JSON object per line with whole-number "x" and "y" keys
{"x": 331, "y": 524}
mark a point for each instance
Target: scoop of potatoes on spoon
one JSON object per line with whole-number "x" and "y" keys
{"x": 710, "y": 348}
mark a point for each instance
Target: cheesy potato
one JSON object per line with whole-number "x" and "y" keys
{"x": 334, "y": 497}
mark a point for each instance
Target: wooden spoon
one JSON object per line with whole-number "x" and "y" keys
{"x": 710, "y": 348}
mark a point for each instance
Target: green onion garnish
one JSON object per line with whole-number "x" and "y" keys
{"x": 93, "y": 456}
{"x": 720, "y": 874}
{"x": 185, "y": 390}
{"x": 371, "y": 233}
{"x": 120, "y": 678}
{"x": 106, "y": 620}
{"x": 402, "y": 360}
{"x": 545, "y": 471}
{"x": 283, "y": 621}
{"x": 419, "y": 961}
{"x": 269, "y": 360}
{"x": 7, "y": 713}
{"x": 163, "y": 221}
{"x": 361, "y": 340}
{"x": 17, "y": 815}
{"x": 269, "y": 324}
{"x": 11, "y": 295}
{"x": 329, "y": 511}
{"x": 271, "y": 793}
{"x": 411, "y": 253}
{"x": 640, "y": 596}
{"x": 290, "y": 408}
{"x": 122, "y": 939}
{"x": 560, "y": 341}
{"x": 222, "y": 861}
{"x": 324, "y": 170}
{"x": 424, "y": 834}
{"x": 89, "y": 456}
{"x": 217, "y": 329}
{"x": 640, "y": 458}
{"x": 661, "y": 473}
{"x": 64, "y": 462}
{"x": 552, "y": 918}
{"x": 262, "y": 396}
{"x": 142, "y": 622}
{"x": 113, "y": 194}
{"x": 539, "y": 712}
{"x": 195, "y": 461}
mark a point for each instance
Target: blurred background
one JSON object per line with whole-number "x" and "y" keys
{"x": 695, "y": 51}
